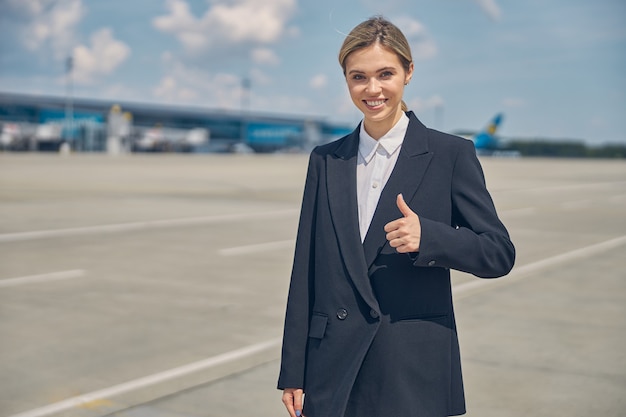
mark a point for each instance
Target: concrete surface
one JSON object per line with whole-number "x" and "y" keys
{"x": 155, "y": 286}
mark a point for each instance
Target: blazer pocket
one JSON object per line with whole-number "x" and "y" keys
{"x": 317, "y": 327}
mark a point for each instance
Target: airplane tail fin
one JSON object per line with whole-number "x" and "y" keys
{"x": 486, "y": 139}
{"x": 494, "y": 124}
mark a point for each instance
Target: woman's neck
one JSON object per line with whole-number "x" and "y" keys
{"x": 379, "y": 128}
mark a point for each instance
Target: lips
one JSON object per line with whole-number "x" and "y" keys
{"x": 374, "y": 103}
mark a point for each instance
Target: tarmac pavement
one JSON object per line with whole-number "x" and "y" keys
{"x": 155, "y": 285}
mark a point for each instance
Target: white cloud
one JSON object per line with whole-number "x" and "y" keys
{"x": 103, "y": 57}
{"x": 120, "y": 91}
{"x": 281, "y": 103}
{"x": 46, "y": 23}
{"x": 227, "y": 22}
{"x": 422, "y": 44}
{"x": 265, "y": 56}
{"x": 248, "y": 20}
{"x": 319, "y": 81}
{"x": 192, "y": 85}
{"x": 491, "y": 8}
{"x": 420, "y": 104}
{"x": 170, "y": 89}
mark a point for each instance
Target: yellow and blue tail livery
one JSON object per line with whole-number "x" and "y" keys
{"x": 486, "y": 139}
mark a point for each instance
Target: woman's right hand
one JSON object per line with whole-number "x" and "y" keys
{"x": 292, "y": 398}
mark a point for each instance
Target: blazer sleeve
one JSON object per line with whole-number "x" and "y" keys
{"x": 476, "y": 241}
{"x": 299, "y": 301}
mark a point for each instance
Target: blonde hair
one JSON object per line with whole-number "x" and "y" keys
{"x": 379, "y": 30}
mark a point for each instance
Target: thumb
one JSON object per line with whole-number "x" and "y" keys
{"x": 403, "y": 206}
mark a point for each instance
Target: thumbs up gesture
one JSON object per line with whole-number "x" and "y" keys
{"x": 404, "y": 233}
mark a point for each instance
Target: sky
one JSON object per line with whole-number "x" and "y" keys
{"x": 556, "y": 69}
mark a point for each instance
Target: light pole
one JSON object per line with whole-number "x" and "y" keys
{"x": 245, "y": 94}
{"x": 245, "y": 105}
{"x": 69, "y": 105}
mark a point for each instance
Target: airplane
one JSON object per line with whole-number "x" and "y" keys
{"x": 10, "y": 133}
{"x": 16, "y": 136}
{"x": 487, "y": 143}
{"x": 486, "y": 139}
{"x": 160, "y": 139}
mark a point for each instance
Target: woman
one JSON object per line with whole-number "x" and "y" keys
{"x": 387, "y": 211}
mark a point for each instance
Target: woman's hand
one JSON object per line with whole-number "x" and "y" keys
{"x": 405, "y": 233}
{"x": 292, "y": 398}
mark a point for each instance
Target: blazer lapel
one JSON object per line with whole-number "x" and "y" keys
{"x": 405, "y": 179}
{"x": 341, "y": 186}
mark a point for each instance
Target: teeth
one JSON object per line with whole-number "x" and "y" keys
{"x": 374, "y": 103}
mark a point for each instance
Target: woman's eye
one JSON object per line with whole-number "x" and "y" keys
{"x": 358, "y": 77}
{"x": 386, "y": 74}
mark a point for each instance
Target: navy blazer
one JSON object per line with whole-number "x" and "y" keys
{"x": 367, "y": 325}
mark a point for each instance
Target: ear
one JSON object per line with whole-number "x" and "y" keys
{"x": 409, "y": 74}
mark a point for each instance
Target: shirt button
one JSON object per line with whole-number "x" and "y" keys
{"x": 375, "y": 185}
{"x": 373, "y": 314}
{"x": 431, "y": 263}
{"x": 342, "y": 313}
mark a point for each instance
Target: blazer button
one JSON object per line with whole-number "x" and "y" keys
{"x": 373, "y": 314}
{"x": 342, "y": 313}
{"x": 431, "y": 263}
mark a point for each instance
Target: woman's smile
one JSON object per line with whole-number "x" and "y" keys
{"x": 374, "y": 104}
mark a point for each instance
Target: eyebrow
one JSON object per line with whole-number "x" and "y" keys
{"x": 378, "y": 70}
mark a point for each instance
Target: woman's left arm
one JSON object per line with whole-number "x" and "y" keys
{"x": 477, "y": 242}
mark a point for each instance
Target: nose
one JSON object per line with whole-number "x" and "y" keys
{"x": 373, "y": 86}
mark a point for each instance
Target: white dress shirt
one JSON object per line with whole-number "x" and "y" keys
{"x": 375, "y": 162}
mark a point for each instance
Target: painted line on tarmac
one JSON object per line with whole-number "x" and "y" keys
{"x": 460, "y": 290}
{"x": 107, "y": 393}
{"x": 261, "y": 247}
{"x": 533, "y": 267}
{"x": 150, "y": 224}
{"x": 577, "y": 186}
{"x": 286, "y": 244}
{"x": 36, "y": 279}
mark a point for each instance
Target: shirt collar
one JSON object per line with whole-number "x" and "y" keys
{"x": 390, "y": 142}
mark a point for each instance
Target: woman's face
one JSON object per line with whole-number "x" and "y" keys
{"x": 376, "y": 81}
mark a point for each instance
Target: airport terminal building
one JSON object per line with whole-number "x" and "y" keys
{"x": 44, "y": 123}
